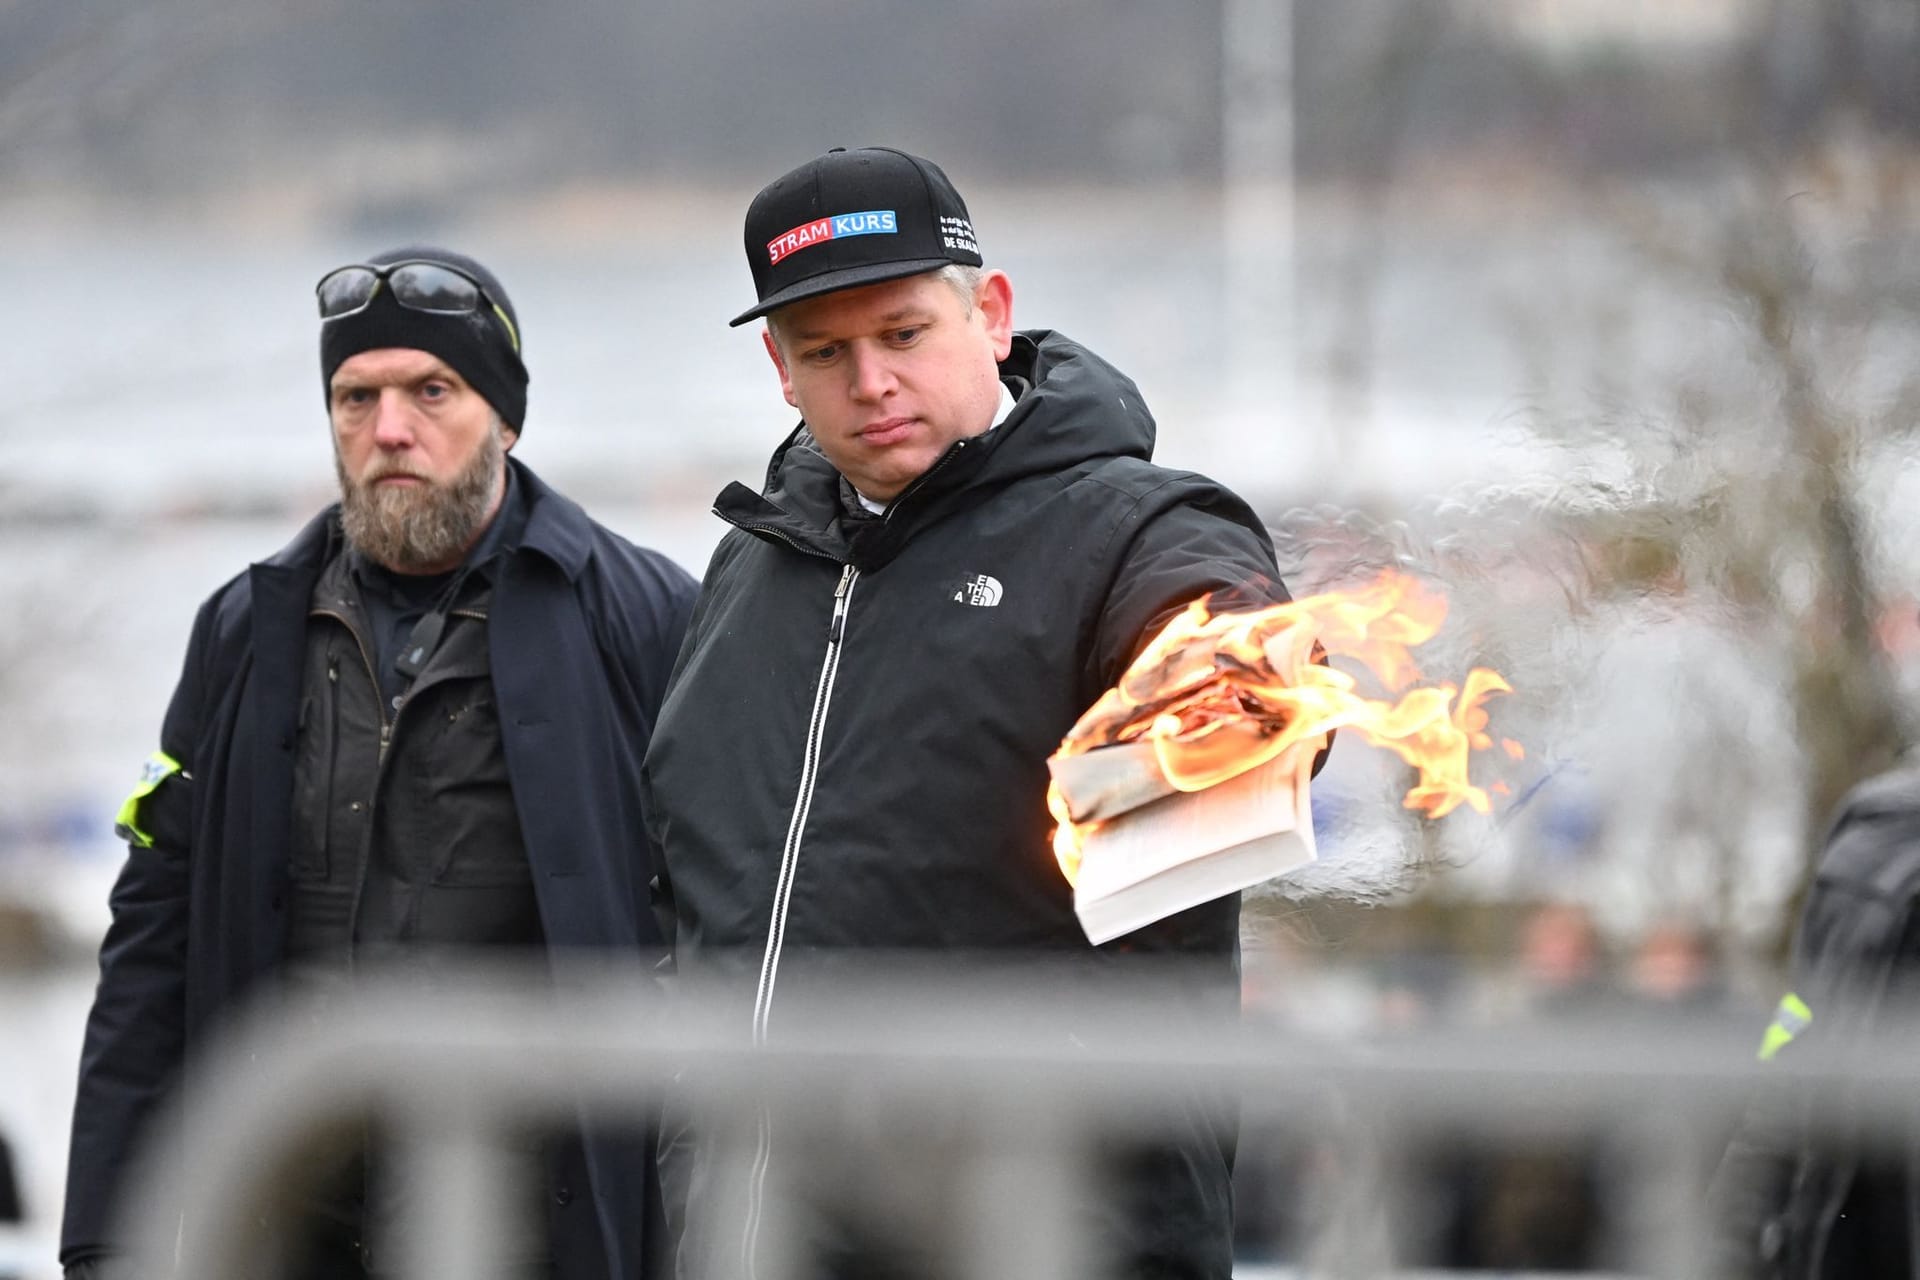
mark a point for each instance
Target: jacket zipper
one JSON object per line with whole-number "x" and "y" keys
{"x": 387, "y": 726}
{"x": 920, "y": 481}
{"x": 750, "y": 527}
{"x": 803, "y": 801}
{"x": 783, "y": 892}
{"x": 379, "y": 703}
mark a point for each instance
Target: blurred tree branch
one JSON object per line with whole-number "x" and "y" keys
{"x": 1728, "y": 485}
{"x": 1752, "y": 493}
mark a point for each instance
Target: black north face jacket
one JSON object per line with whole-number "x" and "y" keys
{"x": 852, "y": 754}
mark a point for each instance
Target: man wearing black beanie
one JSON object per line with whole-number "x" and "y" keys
{"x": 397, "y": 740}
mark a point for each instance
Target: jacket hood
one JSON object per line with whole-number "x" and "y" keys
{"x": 1073, "y": 408}
{"x": 1077, "y": 408}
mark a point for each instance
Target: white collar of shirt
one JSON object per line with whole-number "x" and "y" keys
{"x": 1006, "y": 407}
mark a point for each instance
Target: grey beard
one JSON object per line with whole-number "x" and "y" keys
{"x": 417, "y": 529}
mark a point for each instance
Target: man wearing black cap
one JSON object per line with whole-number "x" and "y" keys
{"x": 958, "y": 549}
{"x": 409, "y": 737}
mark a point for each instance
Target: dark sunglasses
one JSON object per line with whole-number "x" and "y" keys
{"x": 419, "y": 286}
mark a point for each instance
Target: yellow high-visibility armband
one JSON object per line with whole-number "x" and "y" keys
{"x": 126, "y": 824}
{"x": 1789, "y": 1020}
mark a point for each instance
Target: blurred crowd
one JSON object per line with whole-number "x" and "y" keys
{"x": 1551, "y": 1201}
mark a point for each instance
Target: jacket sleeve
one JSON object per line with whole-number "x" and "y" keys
{"x": 136, "y": 1031}
{"x": 1749, "y": 1189}
{"x": 1847, "y": 945}
{"x": 645, "y": 622}
{"x": 643, "y": 628}
{"x": 1183, "y": 539}
{"x": 699, "y": 606}
{"x": 1188, "y": 538}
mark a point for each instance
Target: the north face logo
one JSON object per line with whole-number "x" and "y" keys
{"x": 978, "y": 590}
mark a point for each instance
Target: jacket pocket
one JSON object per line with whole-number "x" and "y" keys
{"x": 313, "y": 766}
{"x": 460, "y": 799}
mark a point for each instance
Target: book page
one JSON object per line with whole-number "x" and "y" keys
{"x": 1194, "y": 846}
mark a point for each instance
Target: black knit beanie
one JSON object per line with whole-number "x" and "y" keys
{"x": 476, "y": 346}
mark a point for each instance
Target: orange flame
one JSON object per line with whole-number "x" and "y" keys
{"x": 1219, "y": 694}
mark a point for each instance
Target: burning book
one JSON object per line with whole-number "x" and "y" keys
{"x": 1189, "y": 779}
{"x": 1168, "y": 850}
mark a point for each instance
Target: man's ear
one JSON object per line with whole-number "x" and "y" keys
{"x": 779, "y": 363}
{"x": 994, "y": 298}
{"x": 509, "y": 437}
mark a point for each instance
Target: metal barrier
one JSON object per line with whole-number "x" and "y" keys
{"x": 452, "y": 1072}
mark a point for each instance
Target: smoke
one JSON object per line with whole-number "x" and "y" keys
{"x": 1660, "y": 751}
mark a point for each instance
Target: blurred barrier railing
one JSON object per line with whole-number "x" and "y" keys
{"x": 878, "y": 1071}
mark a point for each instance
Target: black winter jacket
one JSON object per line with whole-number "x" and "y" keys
{"x": 853, "y": 750}
{"x": 1797, "y": 1201}
{"x": 582, "y": 631}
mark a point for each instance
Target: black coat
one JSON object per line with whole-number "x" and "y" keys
{"x": 853, "y": 752}
{"x": 1797, "y": 1201}
{"x": 583, "y": 628}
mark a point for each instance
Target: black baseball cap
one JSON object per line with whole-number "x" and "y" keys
{"x": 851, "y": 218}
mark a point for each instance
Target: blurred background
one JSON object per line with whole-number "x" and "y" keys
{"x": 1599, "y": 315}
